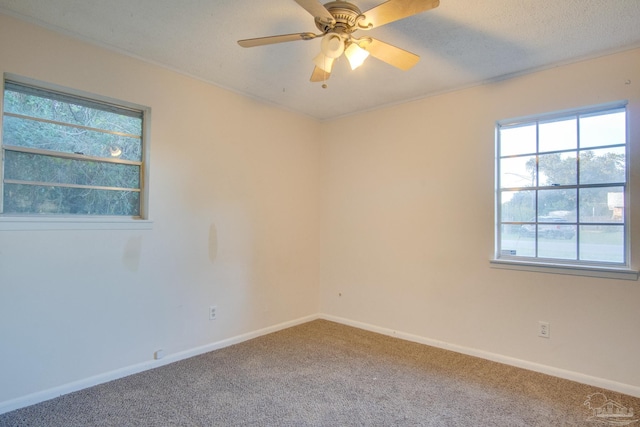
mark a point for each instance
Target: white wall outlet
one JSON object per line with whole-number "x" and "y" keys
{"x": 543, "y": 329}
{"x": 158, "y": 354}
{"x": 213, "y": 312}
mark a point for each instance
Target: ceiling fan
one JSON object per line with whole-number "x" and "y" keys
{"x": 338, "y": 20}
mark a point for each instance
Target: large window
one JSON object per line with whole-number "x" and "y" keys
{"x": 562, "y": 188}
{"x": 68, "y": 155}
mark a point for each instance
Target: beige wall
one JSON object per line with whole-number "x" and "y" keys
{"x": 234, "y": 199}
{"x": 259, "y": 211}
{"x": 407, "y": 228}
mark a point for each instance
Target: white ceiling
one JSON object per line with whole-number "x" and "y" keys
{"x": 461, "y": 43}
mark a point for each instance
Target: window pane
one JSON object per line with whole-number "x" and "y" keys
{"x": 603, "y": 166}
{"x": 39, "y": 168}
{"x": 558, "y": 169}
{"x": 603, "y": 129}
{"x": 34, "y": 199}
{"x": 517, "y": 206}
{"x": 558, "y": 135}
{"x": 602, "y": 204}
{"x": 602, "y": 243}
{"x": 67, "y": 112}
{"x": 515, "y": 242}
{"x": 557, "y": 241}
{"x": 518, "y": 172}
{"x": 517, "y": 140}
{"x": 557, "y": 204}
{"x": 48, "y": 136}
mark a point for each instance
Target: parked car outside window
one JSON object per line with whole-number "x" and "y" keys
{"x": 549, "y": 227}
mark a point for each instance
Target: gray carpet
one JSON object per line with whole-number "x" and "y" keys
{"x": 325, "y": 374}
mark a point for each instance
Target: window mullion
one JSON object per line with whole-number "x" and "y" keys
{"x": 64, "y": 185}
{"x": 537, "y": 191}
{"x": 71, "y": 125}
{"x": 578, "y": 190}
{"x": 74, "y": 156}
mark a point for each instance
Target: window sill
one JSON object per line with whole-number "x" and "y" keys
{"x": 575, "y": 270}
{"x": 9, "y": 223}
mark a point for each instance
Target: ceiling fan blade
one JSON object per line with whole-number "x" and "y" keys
{"x": 319, "y": 75}
{"x": 393, "y": 10}
{"x": 390, "y": 54}
{"x": 317, "y": 10}
{"x": 261, "y": 41}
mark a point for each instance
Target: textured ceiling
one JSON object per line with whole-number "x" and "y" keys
{"x": 461, "y": 43}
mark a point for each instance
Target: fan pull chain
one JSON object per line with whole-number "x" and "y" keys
{"x": 324, "y": 78}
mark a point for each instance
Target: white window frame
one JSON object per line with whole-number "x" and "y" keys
{"x": 573, "y": 267}
{"x": 11, "y": 221}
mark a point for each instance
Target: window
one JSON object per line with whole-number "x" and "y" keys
{"x": 66, "y": 155}
{"x": 562, "y": 189}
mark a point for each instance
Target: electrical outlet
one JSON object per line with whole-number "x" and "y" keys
{"x": 543, "y": 329}
{"x": 213, "y": 312}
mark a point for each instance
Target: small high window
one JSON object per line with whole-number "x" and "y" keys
{"x": 562, "y": 188}
{"x": 70, "y": 155}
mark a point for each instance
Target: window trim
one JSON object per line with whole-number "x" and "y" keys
{"x": 568, "y": 269}
{"x": 558, "y": 266}
{"x": 14, "y": 222}
{"x": 27, "y": 223}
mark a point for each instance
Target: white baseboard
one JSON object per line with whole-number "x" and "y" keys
{"x": 627, "y": 389}
{"x": 52, "y": 393}
{"x": 41, "y": 396}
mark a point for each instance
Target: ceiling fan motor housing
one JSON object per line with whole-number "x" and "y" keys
{"x": 346, "y": 15}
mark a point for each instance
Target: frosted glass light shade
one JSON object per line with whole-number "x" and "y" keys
{"x": 332, "y": 45}
{"x": 356, "y": 55}
{"x": 324, "y": 62}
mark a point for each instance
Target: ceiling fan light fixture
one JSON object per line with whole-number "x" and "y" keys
{"x": 332, "y": 45}
{"x": 356, "y": 55}
{"x": 337, "y": 21}
{"x": 324, "y": 62}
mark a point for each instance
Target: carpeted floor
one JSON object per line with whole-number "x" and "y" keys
{"x": 325, "y": 374}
